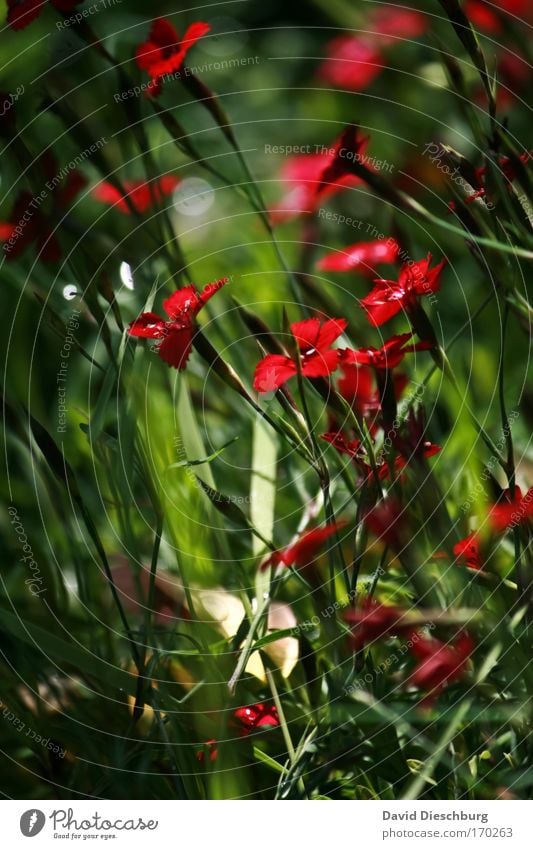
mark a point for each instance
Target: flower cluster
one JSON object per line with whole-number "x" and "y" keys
{"x": 354, "y": 61}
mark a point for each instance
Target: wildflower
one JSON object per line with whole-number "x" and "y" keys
{"x": 489, "y": 16}
{"x": 163, "y": 53}
{"x": 512, "y": 511}
{"x": 373, "y": 622}
{"x": 302, "y": 552}
{"x": 362, "y": 256}
{"x": 28, "y": 224}
{"x": 440, "y": 663}
{"x": 20, "y": 13}
{"x": 349, "y": 148}
{"x": 354, "y": 61}
{"x": 388, "y": 356}
{"x": 351, "y": 63}
{"x": 142, "y": 195}
{"x": 177, "y": 332}
{"x": 358, "y": 387}
{"x": 303, "y": 175}
{"x": 481, "y": 16}
{"x": 390, "y": 296}
{"x": 391, "y": 23}
{"x": 258, "y": 716}
{"x": 318, "y": 359}
{"x": 467, "y": 550}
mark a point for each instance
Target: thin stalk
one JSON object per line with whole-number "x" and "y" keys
{"x": 284, "y": 727}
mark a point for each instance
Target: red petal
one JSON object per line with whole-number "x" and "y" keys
{"x": 306, "y": 333}
{"x": 176, "y": 347}
{"x": 361, "y": 256}
{"x": 425, "y": 280}
{"x": 211, "y": 289}
{"x": 468, "y": 550}
{"x": 304, "y": 549}
{"x": 164, "y": 33}
{"x": 380, "y": 312}
{"x": 168, "y": 183}
{"x": 392, "y": 24}
{"x": 272, "y": 372}
{"x": 321, "y": 364}
{"x": 108, "y": 194}
{"x": 142, "y": 195}
{"x": 148, "y": 326}
{"x": 352, "y": 146}
{"x": 194, "y": 33}
{"x": 159, "y": 64}
{"x": 352, "y": 63}
{"x": 481, "y": 16}
{"x": 6, "y": 231}
{"x": 182, "y": 302}
{"x": 330, "y": 332}
{"x": 147, "y": 55}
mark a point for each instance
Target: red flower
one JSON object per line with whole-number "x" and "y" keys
{"x": 163, "y": 53}
{"x": 349, "y": 148}
{"x": 510, "y": 512}
{"x": 391, "y": 23}
{"x": 304, "y": 176}
{"x": 142, "y": 195}
{"x": 483, "y": 16}
{"x": 177, "y": 333}
{"x": 373, "y": 622}
{"x": 28, "y": 224}
{"x": 318, "y": 359}
{"x": 390, "y": 296}
{"x": 388, "y": 356}
{"x": 20, "y": 13}
{"x": 357, "y": 386}
{"x": 258, "y": 716}
{"x": 302, "y": 552}
{"x": 467, "y": 550}
{"x": 362, "y": 256}
{"x": 352, "y": 63}
{"x": 440, "y": 664}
